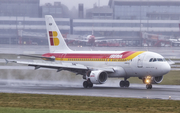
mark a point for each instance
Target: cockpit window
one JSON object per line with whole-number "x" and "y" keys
{"x": 151, "y": 60}
{"x": 159, "y": 59}
{"x": 154, "y": 60}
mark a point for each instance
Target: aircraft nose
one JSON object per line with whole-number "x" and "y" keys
{"x": 166, "y": 68}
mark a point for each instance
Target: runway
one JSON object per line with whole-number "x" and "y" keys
{"x": 55, "y": 88}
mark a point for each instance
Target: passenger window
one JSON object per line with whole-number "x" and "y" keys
{"x": 154, "y": 60}
{"x": 151, "y": 60}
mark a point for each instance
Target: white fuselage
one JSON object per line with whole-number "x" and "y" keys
{"x": 137, "y": 66}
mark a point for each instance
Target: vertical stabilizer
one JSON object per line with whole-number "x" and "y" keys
{"x": 55, "y": 39}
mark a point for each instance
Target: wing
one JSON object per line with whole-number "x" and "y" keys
{"x": 59, "y": 66}
{"x": 44, "y": 58}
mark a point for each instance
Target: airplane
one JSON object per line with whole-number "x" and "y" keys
{"x": 97, "y": 66}
{"x": 161, "y": 38}
{"x": 87, "y": 40}
{"x": 90, "y": 40}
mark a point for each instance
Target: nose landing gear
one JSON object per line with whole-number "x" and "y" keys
{"x": 147, "y": 81}
{"x": 149, "y": 86}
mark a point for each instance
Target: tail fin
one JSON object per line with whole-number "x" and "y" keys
{"x": 55, "y": 39}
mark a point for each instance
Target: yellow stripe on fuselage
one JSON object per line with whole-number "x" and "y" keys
{"x": 135, "y": 54}
{"x": 130, "y": 57}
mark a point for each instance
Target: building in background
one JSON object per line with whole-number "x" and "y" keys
{"x": 129, "y": 20}
{"x": 23, "y": 8}
{"x": 81, "y": 11}
{"x": 25, "y": 30}
{"x": 159, "y": 17}
{"x": 55, "y": 10}
{"x": 145, "y": 9}
{"x": 104, "y": 12}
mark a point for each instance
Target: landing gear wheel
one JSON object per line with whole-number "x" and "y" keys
{"x": 90, "y": 85}
{"x": 122, "y": 84}
{"x": 149, "y": 86}
{"x": 85, "y": 84}
{"x": 127, "y": 83}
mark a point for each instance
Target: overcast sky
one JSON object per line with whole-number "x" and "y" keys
{"x": 71, "y": 3}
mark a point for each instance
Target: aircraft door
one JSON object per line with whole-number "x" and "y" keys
{"x": 140, "y": 61}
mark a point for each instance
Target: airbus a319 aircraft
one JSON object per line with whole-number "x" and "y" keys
{"x": 97, "y": 66}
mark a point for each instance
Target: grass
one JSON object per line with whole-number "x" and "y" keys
{"x": 172, "y": 78}
{"x": 25, "y": 103}
{"x": 26, "y": 110}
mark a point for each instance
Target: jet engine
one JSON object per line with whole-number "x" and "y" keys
{"x": 98, "y": 77}
{"x": 157, "y": 80}
{"x": 152, "y": 80}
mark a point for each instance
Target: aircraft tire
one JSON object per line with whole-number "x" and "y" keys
{"x": 127, "y": 83}
{"x": 85, "y": 84}
{"x": 122, "y": 84}
{"x": 149, "y": 86}
{"x": 90, "y": 85}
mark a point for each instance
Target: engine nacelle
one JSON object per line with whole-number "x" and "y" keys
{"x": 98, "y": 77}
{"x": 156, "y": 80}
{"x": 152, "y": 80}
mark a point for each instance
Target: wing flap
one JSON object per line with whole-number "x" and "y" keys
{"x": 44, "y": 58}
{"x": 48, "y": 64}
{"x": 73, "y": 67}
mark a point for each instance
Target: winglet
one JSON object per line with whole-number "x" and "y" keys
{"x": 6, "y": 61}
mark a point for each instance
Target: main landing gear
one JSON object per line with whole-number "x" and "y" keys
{"x": 87, "y": 84}
{"x": 124, "y": 83}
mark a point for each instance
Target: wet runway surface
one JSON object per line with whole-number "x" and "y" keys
{"x": 134, "y": 91}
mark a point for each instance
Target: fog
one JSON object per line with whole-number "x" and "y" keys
{"x": 39, "y": 77}
{"x": 44, "y": 77}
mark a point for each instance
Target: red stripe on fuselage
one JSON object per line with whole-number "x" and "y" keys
{"x": 81, "y": 55}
